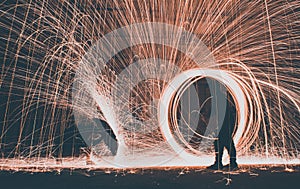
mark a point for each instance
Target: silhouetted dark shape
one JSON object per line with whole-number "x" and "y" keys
{"x": 225, "y": 139}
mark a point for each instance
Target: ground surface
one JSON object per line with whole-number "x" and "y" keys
{"x": 197, "y": 177}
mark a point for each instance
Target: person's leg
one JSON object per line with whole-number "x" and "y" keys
{"x": 219, "y": 147}
{"x": 232, "y": 155}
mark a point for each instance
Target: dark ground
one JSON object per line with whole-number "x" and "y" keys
{"x": 246, "y": 177}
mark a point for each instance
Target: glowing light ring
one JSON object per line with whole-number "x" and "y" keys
{"x": 174, "y": 86}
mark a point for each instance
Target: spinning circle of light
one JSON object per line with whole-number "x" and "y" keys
{"x": 175, "y": 85}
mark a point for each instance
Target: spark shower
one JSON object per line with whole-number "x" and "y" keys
{"x": 125, "y": 83}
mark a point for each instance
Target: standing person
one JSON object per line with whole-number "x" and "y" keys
{"x": 225, "y": 139}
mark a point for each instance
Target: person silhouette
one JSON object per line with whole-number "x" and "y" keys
{"x": 225, "y": 139}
